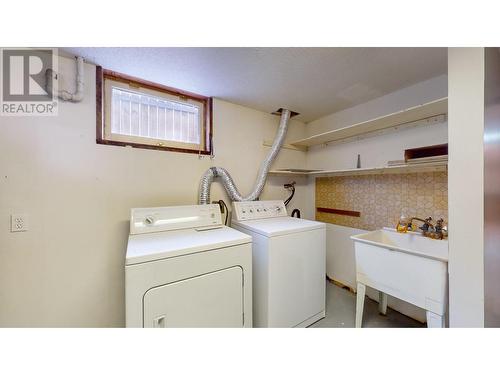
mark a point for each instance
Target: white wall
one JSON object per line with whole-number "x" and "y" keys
{"x": 375, "y": 152}
{"x": 68, "y": 269}
{"x": 465, "y": 186}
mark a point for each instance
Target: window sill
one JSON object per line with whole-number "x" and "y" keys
{"x": 151, "y": 147}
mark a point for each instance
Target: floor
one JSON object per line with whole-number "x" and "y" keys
{"x": 341, "y": 310}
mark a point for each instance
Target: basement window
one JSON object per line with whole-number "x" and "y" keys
{"x": 137, "y": 113}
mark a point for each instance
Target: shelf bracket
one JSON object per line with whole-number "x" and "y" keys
{"x": 286, "y": 146}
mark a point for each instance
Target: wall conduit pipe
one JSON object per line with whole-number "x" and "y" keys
{"x": 77, "y": 96}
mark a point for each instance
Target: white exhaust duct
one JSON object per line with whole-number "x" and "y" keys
{"x": 227, "y": 181}
{"x": 77, "y": 96}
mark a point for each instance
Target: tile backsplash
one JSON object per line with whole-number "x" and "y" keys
{"x": 381, "y": 199}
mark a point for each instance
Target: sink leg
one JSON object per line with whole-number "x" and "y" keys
{"x": 434, "y": 320}
{"x": 382, "y": 303}
{"x": 360, "y": 303}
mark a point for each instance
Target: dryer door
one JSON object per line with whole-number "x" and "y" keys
{"x": 211, "y": 300}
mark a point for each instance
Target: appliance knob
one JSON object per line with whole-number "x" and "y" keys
{"x": 150, "y": 220}
{"x": 278, "y": 208}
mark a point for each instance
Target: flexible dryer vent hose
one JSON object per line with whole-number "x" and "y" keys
{"x": 227, "y": 181}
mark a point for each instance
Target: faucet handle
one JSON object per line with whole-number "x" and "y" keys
{"x": 440, "y": 229}
{"x": 444, "y": 230}
{"x": 426, "y": 225}
{"x": 439, "y": 223}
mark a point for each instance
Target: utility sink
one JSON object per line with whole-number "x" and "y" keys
{"x": 408, "y": 266}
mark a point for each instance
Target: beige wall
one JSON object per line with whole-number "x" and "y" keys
{"x": 67, "y": 270}
{"x": 466, "y": 187}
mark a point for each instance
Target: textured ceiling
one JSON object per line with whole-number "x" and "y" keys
{"x": 312, "y": 81}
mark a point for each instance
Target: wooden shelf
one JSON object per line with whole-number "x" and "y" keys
{"x": 393, "y": 120}
{"x": 440, "y": 166}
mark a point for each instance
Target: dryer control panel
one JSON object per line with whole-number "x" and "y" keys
{"x": 258, "y": 210}
{"x": 160, "y": 219}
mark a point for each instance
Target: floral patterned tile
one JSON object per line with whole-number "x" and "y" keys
{"x": 381, "y": 199}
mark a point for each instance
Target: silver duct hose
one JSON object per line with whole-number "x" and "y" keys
{"x": 227, "y": 181}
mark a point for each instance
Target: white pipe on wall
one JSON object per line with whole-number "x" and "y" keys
{"x": 77, "y": 96}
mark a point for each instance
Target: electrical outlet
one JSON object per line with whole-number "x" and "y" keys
{"x": 18, "y": 223}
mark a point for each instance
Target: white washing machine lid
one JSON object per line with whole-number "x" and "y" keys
{"x": 161, "y": 245}
{"x": 279, "y": 226}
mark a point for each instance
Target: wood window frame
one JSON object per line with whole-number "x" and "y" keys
{"x": 101, "y": 74}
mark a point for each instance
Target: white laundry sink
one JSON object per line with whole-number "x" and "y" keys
{"x": 408, "y": 266}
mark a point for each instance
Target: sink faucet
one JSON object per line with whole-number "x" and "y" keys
{"x": 425, "y": 227}
{"x": 436, "y": 231}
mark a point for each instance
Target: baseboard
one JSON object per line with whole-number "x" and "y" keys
{"x": 341, "y": 285}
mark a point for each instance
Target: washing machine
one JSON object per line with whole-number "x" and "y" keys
{"x": 288, "y": 264}
{"x": 185, "y": 269}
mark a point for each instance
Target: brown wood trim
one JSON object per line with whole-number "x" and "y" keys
{"x": 101, "y": 74}
{"x": 210, "y": 119}
{"x": 99, "y": 104}
{"x": 341, "y": 285}
{"x": 151, "y": 147}
{"x": 152, "y": 85}
{"x": 338, "y": 212}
